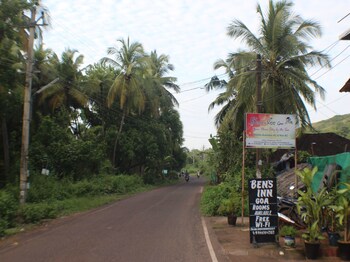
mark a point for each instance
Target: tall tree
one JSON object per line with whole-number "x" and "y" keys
{"x": 174, "y": 132}
{"x": 11, "y": 81}
{"x": 127, "y": 87}
{"x": 44, "y": 75}
{"x": 159, "y": 84}
{"x": 65, "y": 95}
{"x": 97, "y": 81}
{"x": 286, "y": 55}
{"x": 226, "y": 99}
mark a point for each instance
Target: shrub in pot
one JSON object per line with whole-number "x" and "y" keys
{"x": 310, "y": 206}
{"x": 342, "y": 208}
{"x": 230, "y": 207}
{"x": 288, "y": 233}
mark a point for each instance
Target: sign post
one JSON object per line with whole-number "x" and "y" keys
{"x": 263, "y": 217}
{"x": 266, "y": 131}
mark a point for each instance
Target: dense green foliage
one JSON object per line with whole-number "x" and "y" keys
{"x": 116, "y": 116}
{"x": 96, "y": 131}
{"x": 212, "y": 198}
{"x": 8, "y": 210}
{"x": 50, "y": 188}
{"x": 222, "y": 200}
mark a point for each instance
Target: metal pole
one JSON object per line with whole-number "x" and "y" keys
{"x": 26, "y": 111}
{"x": 296, "y": 176}
{"x": 243, "y": 167}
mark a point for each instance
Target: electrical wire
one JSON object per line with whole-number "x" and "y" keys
{"x": 331, "y": 60}
{"x": 330, "y": 47}
{"x": 332, "y": 67}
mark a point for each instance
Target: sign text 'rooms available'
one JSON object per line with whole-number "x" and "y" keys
{"x": 263, "y": 218}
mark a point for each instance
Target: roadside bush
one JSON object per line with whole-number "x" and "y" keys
{"x": 106, "y": 184}
{"x": 8, "y": 209}
{"x": 124, "y": 183}
{"x": 106, "y": 167}
{"x": 83, "y": 188}
{"x": 212, "y": 197}
{"x": 43, "y": 188}
{"x": 103, "y": 185}
{"x": 35, "y": 212}
{"x": 151, "y": 176}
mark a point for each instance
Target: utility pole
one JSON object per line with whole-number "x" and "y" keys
{"x": 24, "y": 173}
{"x": 26, "y": 110}
{"x": 258, "y": 109}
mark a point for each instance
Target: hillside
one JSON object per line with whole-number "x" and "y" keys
{"x": 339, "y": 124}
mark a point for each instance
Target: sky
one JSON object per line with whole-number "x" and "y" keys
{"x": 193, "y": 34}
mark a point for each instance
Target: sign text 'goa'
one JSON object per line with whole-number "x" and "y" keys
{"x": 263, "y": 218}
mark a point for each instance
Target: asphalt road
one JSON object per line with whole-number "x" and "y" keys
{"x": 160, "y": 225}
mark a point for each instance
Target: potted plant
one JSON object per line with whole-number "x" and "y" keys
{"x": 288, "y": 233}
{"x": 332, "y": 224}
{"x": 230, "y": 207}
{"x": 310, "y": 206}
{"x": 342, "y": 209}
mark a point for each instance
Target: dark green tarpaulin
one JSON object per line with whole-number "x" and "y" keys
{"x": 321, "y": 162}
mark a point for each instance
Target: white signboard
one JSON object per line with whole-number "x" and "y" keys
{"x": 270, "y": 130}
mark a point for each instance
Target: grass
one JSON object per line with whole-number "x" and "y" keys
{"x": 82, "y": 204}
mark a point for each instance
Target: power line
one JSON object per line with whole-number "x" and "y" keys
{"x": 327, "y": 107}
{"x": 331, "y": 46}
{"x": 332, "y": 102}
{"x": 333, "y": 67}
{"x": 196, "y": 98}
{"x": 67, "y": 29}
{"x": 201, "y": 80}
{"x": 196, "y": 137}
{"x": 191, "y": 89}
{"x": 343, "y": 17}
{"x": 114, "y": 112}
{"x": 331, "y": 60}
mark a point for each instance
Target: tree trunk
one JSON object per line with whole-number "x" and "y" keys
{"x": 5, "y": 142}
{"x": 117, "y": 138}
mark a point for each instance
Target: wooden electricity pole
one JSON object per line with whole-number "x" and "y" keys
{"x": 26, "y": 110}
{"x": 258, "y": 108}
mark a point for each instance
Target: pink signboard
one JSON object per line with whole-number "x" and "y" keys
{"x": 270, "y": 130}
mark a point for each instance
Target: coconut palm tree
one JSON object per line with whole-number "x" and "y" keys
{"x": 45, "y": 73}
{"x": 97, "y": 81}
{"x": 285, "y": 54}
{"x": 127, "y": 87}
{"x": 226, "y": 99}
{"x": 157, "y": 84}
{"x": 65, "y": 93}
